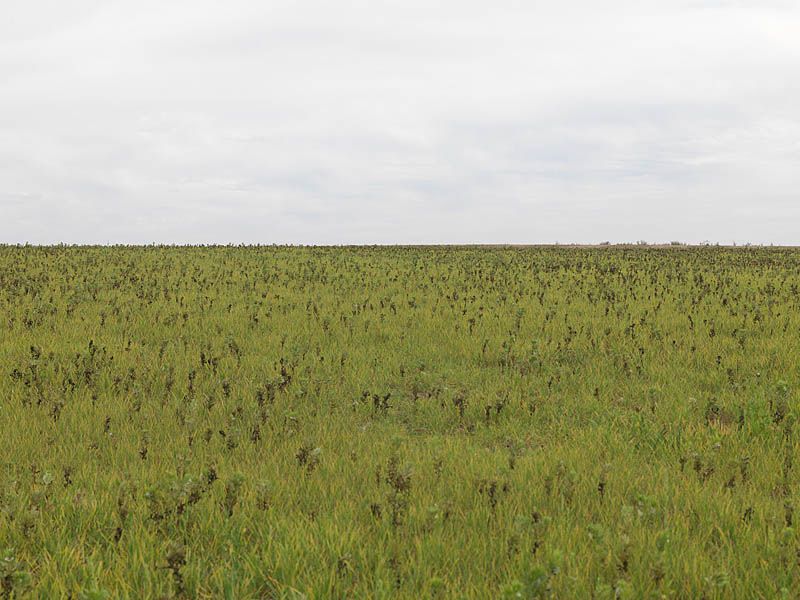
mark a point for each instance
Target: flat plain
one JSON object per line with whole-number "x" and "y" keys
{"x": 399, "y": 422}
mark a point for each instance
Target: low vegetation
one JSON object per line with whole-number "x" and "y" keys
{"x": 268, "y": 422}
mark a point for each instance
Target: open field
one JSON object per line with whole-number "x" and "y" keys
{"x": 273, "y": 422}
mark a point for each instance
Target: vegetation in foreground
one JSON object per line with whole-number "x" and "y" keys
{"x": 266, "y": 422}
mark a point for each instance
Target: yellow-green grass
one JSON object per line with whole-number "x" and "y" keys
{"x": 269, "y": 422}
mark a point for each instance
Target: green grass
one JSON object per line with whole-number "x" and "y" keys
{"x": 243, "y": 422}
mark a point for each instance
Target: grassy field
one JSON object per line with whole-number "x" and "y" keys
{"x": 244, "y": 422}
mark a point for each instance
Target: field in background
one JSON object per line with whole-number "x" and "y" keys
{"x": 399, "y": 422}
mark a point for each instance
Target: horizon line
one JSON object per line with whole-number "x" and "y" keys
{"x": 578, "y": 245}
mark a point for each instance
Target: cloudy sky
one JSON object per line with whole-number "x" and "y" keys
{"x": 409, "y": 121}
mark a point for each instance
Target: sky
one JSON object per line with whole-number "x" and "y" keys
{"x": 413, "y": 121}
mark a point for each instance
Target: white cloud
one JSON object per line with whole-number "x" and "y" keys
{"x": 320, "y": 122}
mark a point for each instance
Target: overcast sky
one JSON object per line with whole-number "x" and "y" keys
{"x": 415, "y": 121}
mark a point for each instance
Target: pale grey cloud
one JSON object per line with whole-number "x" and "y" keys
{"x": 387, "y": 121}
